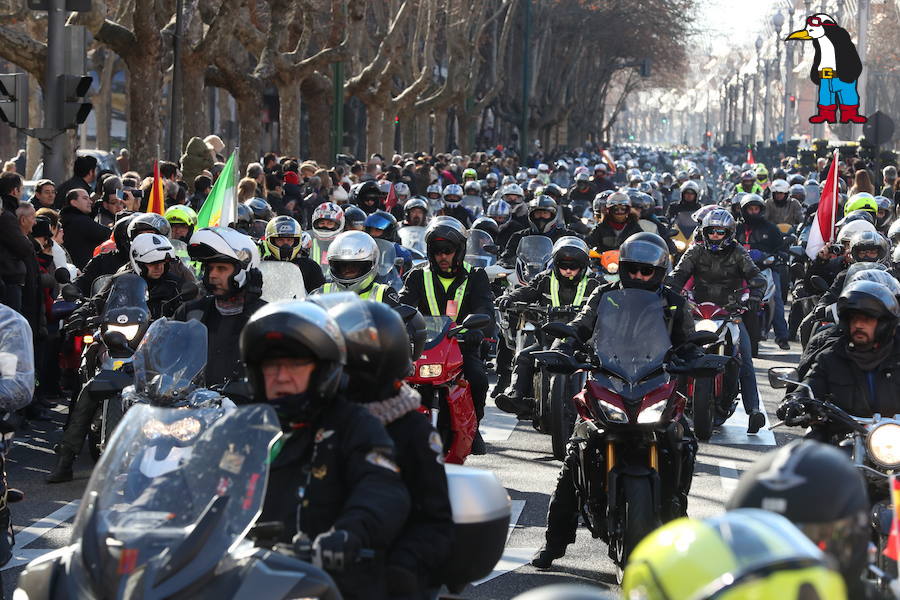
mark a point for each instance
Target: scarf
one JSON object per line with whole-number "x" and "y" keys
{"x": 228, "y": 307}
{"x": 868, "y": 360}
{"x": 389, "y": 410}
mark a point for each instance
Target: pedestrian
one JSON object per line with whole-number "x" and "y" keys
{"x": 82, "y": 233}
{"x": 44, "y": 194}
{"x": 16, "y": 247}
{"x": 85, "y": 169}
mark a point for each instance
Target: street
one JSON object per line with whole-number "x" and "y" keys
{"x": 519, "y": 455}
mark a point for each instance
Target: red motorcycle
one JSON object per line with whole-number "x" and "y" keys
{"x": 446, "y": 395}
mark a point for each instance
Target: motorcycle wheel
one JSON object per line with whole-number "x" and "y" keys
{"x": 640, "y": 518}
{"x": 704, "y": 407}
{"x": 562, "y": 415}
{"x": 542, "y": 401}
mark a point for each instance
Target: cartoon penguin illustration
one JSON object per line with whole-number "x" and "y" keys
{"x": 835, "y": 69}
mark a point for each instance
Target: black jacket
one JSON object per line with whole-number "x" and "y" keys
{"x": 826, "y": 269}
{"x": 604, "y": 237}
{"x": 678, "y": 316}
{"x": 508, "y": 258}
{"x": 538, "y": 290}
{"x": 507, "y": 230}
{"x": 681, "y": 206}
{"x": 478, "y": 298}
{"x": 460, "y": 213}
{"x": 106, "y": 263}
{"x": 761, "y": 235}
{"x": 16, "y": 248}
{"x": 81, "y": 234}
{"x": 67, "y": 186}
{"x": 344, "y": 465}
{"x": 717, "y": 275}
{"x": 223, "y": 354}
{"x": 163, "y": 297}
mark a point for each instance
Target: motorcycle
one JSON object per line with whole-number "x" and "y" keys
{"x": 533, "y": 255}
{"x": 390, "y": 266}
{"x": 413, "y": 238}
{"x": 282, "y": 280}
{"x": 628, "y": 425}
{"x": 439, "y": 379}
{"x": 761, "y": 321}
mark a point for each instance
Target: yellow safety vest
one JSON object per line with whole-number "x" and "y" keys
{"x": 433, "y": 309}
{"x": 379, "y": 289}
{"x": 554, "y": 291}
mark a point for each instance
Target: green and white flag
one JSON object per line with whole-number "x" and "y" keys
{"x": 220, "y": 208}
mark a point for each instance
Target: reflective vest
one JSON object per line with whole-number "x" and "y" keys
{"x": 317, "y": 254}
{"x": 433, "y": 309}
{"x": 579, "y": 291}
{"x": 377, "y": 288}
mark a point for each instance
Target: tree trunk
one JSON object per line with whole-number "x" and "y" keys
{"x": 226, "y": 120}
{"x": 248, "y": 103}
{"x": 408, "y": 124}
{"x": 387, "y": 134}
{"x": 423, "y": 125}
{"x": 374, "y": 119}
{"x": 103, "y": 101}
{"x": 466, "y": 124}
{"x": 289, "y": 117}
{"x": 318, "y": 99}
{"x": 440, "y": 130}
{"x": 144, "y": 91}
{"x": 195, "y": 119}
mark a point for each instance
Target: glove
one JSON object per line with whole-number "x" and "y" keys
{"x": 791, "y": 412}
{"x": 472, "y": 337}
{"x": 335, "y": 550}
{"x": 753, "y": 305}
{"x": 74, "y": 325}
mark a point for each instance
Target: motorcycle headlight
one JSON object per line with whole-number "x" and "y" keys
{"x": 680, "y": 246}
{"x": 182, "y": 430}
{"x": 431, "y": 370}
{"x": 129, "y": 331}
{"x": 706, "y": 325}
{"x": 883, "y": 442}
{"x": 653, "y": 413}
{"x": 613, "y": 413}
{"x": 612, "y": 268}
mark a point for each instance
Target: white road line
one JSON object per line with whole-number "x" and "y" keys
{"x": 728, "y": 475}
{"x": 734, "y": 431}
{"x": 512, "y": 558}
{"x": 497, "y": 426}
{"x": 21, "y": 555}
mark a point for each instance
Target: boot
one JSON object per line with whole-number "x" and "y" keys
{"x": 757, "y": 420}
{"x": 827, "y": 114}
{"x": 849, "y": 114}
{"x": 543, "y": 558}
{"x": 62, "y": 472}
{"x": 478, "y": 446}
{"x": 513, "y": 404}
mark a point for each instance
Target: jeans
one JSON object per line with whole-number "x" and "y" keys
{"x": 778, "y": 322}
{"x": 834, "y": 91}
{"x": 749, "y": 393}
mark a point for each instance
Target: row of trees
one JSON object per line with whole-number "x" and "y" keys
{"x": 433, "y": 63}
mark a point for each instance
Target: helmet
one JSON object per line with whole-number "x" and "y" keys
{"x": 402, "y": 190}
{"x": 797, "y": 191}
{"x": 469, "y": 173}
{"x": 644, "y": 250}
{"x": 488, "y": 225}
{"x": 384, "y": 186}
{"x": 868, "y": 240}
{"x": 554, "y": 191}
{"x": 500, "y": 211}
{"x": 692, "y": 186}
{"x": 752, "y": 200}
{"x": 795, "y": 179}
{"x": 779, "y": 173}
{"x": 877, "y": 273}
{"x": 818, "y": 489}
{"x": 243, "y": 219}
{"x": 618, "y": 199}
{"x": 434, "y": 188}
{"x": 894, "y": 232}
{"x": 862, "y": 267}
{"x": 694, "y": 172}
{"x": 491, "y": 177}
{"x": 512, "y": 189}
{"x": 148, "y": 222}
{"x": 761, "y": 170}
{"x": 874, "y": 300}
{"x": 779, "y": 186}
{"x": 260, "y": 208}
{"x": 445, "y": 230}
{"x": 223, "y": 244}
{"x": 305, "y": 243}
{"x": 748, "y": 175}
{"x": 633, "y": 176}
{"x": 744, "y": 553}
{"x": 542, "y": 203}
{"x": 369, "y": 190}
{"x": 861, "y": 201}
{"x": 599, "y": 202}
{"x": 572, "y": 251}
{"x": 283, "y": 227}
{"x": 884, "y": 211}
{"x": 847, "y": 231}
{"x": 584, "y": 176}
{"x": 327, "y": 211}
{"x": 295, "y": 329}
{"x": 472, "y": 188}
{"x": 415, "y": 202}
{"x": 383, "y": 221}
{"x": 181, "y": 214}
{"x": 643, "y": 202}
{"x": 452, "y": 190}
{"x": 354, "y": 217}
{"x": 355, "y": 250}
{"x": 120, "y": 232}
{"x": 147, "y": 248}
{"x": 533, "y": 185}
{"x": 717, "y": 219}
{"x": 507, "y": 179}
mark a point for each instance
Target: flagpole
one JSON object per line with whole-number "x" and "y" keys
{"x": 235, "y": 178}
{"x": 834, "y": 196}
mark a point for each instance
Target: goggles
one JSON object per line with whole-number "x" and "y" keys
{"x": 634, "y": 269}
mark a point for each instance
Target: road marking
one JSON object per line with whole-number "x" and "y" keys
{"x": 496, "y": 425}
{"x": 729, "y": 476}
{"x": 22, "y": 555}
{"x": 734, "y": 431}
{"x": 512, "y": 558}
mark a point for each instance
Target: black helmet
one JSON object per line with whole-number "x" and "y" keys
{"x": 816, "y": 487}
{"x": 862, "y": 241}
{"x": 642, "y": 252}
{"x": 487, "y": 225}
{"x": 643, "y": 202}
{"x": 542, "y": 203}
{"x": 369, "y": 190}
{"x": 295, "y": 330}
{"x": 148, "y": 223}
{"x": 445, "y": 230}
{"x": 874, "y": 300}
{"x": 354, "y": 218}
{"x": 599, "y": 202}
{"x": 752, "y": 200}
{"x": 244, "y": 219}
{"x": 570, "y": 251}
{"x": 120, "y": 231}
{"x": 383, "y": 221}
{"x": 554, "y": 191}
{"x": 261, "y": 209}
{"x": 856, "y": 215}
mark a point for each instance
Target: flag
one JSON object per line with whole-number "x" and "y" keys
{"x": 892, "y": 548}
{"x": 822, "y": 230}
{"x": 157, "y": 202}
{"x": 391, "y": 199}
{"x": 750, "y": 159}
{"x": 220, "y": 207}
{"x": 609, "y": 161}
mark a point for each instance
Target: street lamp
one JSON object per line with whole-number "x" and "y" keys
{"x": 778, "y": 23}
{"x": 759, "y": 43}
{"x": 788, "y": 82}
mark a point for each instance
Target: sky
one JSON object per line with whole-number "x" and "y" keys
{"x": 718, "y": 18}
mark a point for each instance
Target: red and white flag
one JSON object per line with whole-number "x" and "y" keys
{"x": 391, "y": 200}
{"x": 750, "y": 159}
{"x": 822, "y": 230}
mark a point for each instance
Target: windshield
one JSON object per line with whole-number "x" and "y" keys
{"x": 282, "y": 280}
{"x": 172, "y": 480}
{"x": 623, "y": 318}
{"x": 387, "y": 256}
{"x": 413, "y": 237}
{"x": 127, "y": 300}
{"x": 436, "y": 329}
{"x": 685, "y": 222}
{"x": 532, "y": 255}
{"x": 476, "y": 255}
{"x": 474, "y": 204}
{"x": 812, "y": 195}
{"x": 165, "y": 370}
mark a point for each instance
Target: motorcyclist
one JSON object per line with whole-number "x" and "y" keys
{"x": 619, "y": 222}
{"x": 601, "y": 180}
{"x": 762, "y": 176}
{"x": 182, "y": 219}
{"x": 149, "y": 256}
{"x": 567, "y": 284}
{"x": 401, "y": 190}
{"x": 832, "y": 259}
{"x": 643, "y": 263}
{"x": 243, "y": 220}
{"x": 864, "y": 246}
{"x": 368, "y": 197}
{"x": 720, "y": 267}
{"x": 282, "y": 242}
{"x": 514, "y": 195}
{"x": 353, "y": 260}
{"x": 447, "y": 286}
{"x": 354, "y": 218}
{"x": 582, "y": 191}
{"x": 154, "y": 223}
{"x": 565, "y": 214}
{"x": 755, "y": 232}
{"x": 884, "y": 216}
{"x": 347, "y": 493}
{"x": 382, "y": 225}
{"x": 542, "y": 220}
{"x": 689, "y": 202}
{"x": 780, "y": 207}
{"x": 107, "y": 263}
{"x": 748, "y": 184}
{"x": 415, "y": 213}
{"x": 452, "y": 205}
{"x": 376, "y": 365}
{"x": 327, "y": 220}
{"x": 645, "y": 206}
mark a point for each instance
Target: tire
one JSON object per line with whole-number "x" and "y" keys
{"x": 542, "y": 404}
{"x": 562, "y": 415}
{"x": 704, "y": 407}
{"x": 639, "y": 515}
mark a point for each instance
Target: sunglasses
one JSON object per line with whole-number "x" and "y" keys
{"x": 568, "y": 267}
{"x": 444, "y": 250}
{"x": 816, "y": 22}
{"x": 644, "y": 270}
{"x": 722, "y": 232}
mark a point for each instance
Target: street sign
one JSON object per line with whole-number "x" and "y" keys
{"x": 71, "y": 5}
{"x": 879, "y": 129}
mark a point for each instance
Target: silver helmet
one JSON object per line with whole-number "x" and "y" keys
{"x": 353, "y": 260}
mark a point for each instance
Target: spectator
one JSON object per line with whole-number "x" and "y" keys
{"x": 168, "y": 170}
{"x": 202, "y": 188}
{"x": 269, "y": 162}
{"x": 246, "y": 189}
{"x": 123, "y": 161}
{"x": 25, "y": 215}
{"x": 889, "y": 173}
{"x": 85, "y": 174}
{"x": 110, "y": 203}
{"x": 44, "y": 194}
{"x": 256, "y": 173}
{"x": 82, "y": 234}
{"x": 60, "y": 256}
{"x": 20, "y": 161}
{"x": 862, "y": 183}
{"x": 275, "y": 196}
{"x": 17, "y": 249}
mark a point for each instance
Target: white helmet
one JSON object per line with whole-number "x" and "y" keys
{"x": 434, "y": 188}
{"x": 339, "y": 195}
{"x": 779, "y": 185}
{"x": 852, "y": 227}
{"x": 331, "y": 212}
{"x": 512, "y": 189}
{"x": 472, "y": 188}
{"x": 360, "y": 249}
{"x": 223, "y": 244}
{"x": 147, "y": 248}
{"x": 402, "y": 190}
{"x": 453, "y": 190}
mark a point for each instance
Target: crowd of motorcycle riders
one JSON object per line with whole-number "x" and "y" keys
{"x": 419, "y": 237}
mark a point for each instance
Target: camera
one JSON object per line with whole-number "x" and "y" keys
{"x": 135, "y": 192}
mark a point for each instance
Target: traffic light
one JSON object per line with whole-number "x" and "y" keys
{"x": 645, "y": 68}
{"x": 396, "y": 120}
{"x": 792, "y": 99}
{"x": 73, "y": 88}
{"x": 14, "y": 99}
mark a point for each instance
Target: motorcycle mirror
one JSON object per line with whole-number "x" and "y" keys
{"x": 62, "y": 275}
{"x": 476, "y": 321}
{"x": 702, "y": 338}
{"x": 780, "y": 377}
{"x": 819, "y": 284}
{"x": 798, "y": 251}
{"x": 559, "y": 330}
{"x": 71, "y": 293}
{"x": 398, "y": 262}
{"x": 405, "y": 311}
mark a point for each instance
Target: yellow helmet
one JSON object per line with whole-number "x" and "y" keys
{"x": 744, "y": 554}
{"x": 861, "y": 201}
{"x": 283, "y": 226}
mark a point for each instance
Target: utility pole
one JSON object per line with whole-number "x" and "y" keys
{"x": 526, "y": 81}
{"x": 55, "y": 146}
{"x": 766, "y": 103}
{"x": 756, "y": 74}
{"x": 175, "y": 110}
{"x": 788, "y": 81}
{"x": 862, "y": 13}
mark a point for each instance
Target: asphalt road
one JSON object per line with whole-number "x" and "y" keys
{"x": 520, "y": 456}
